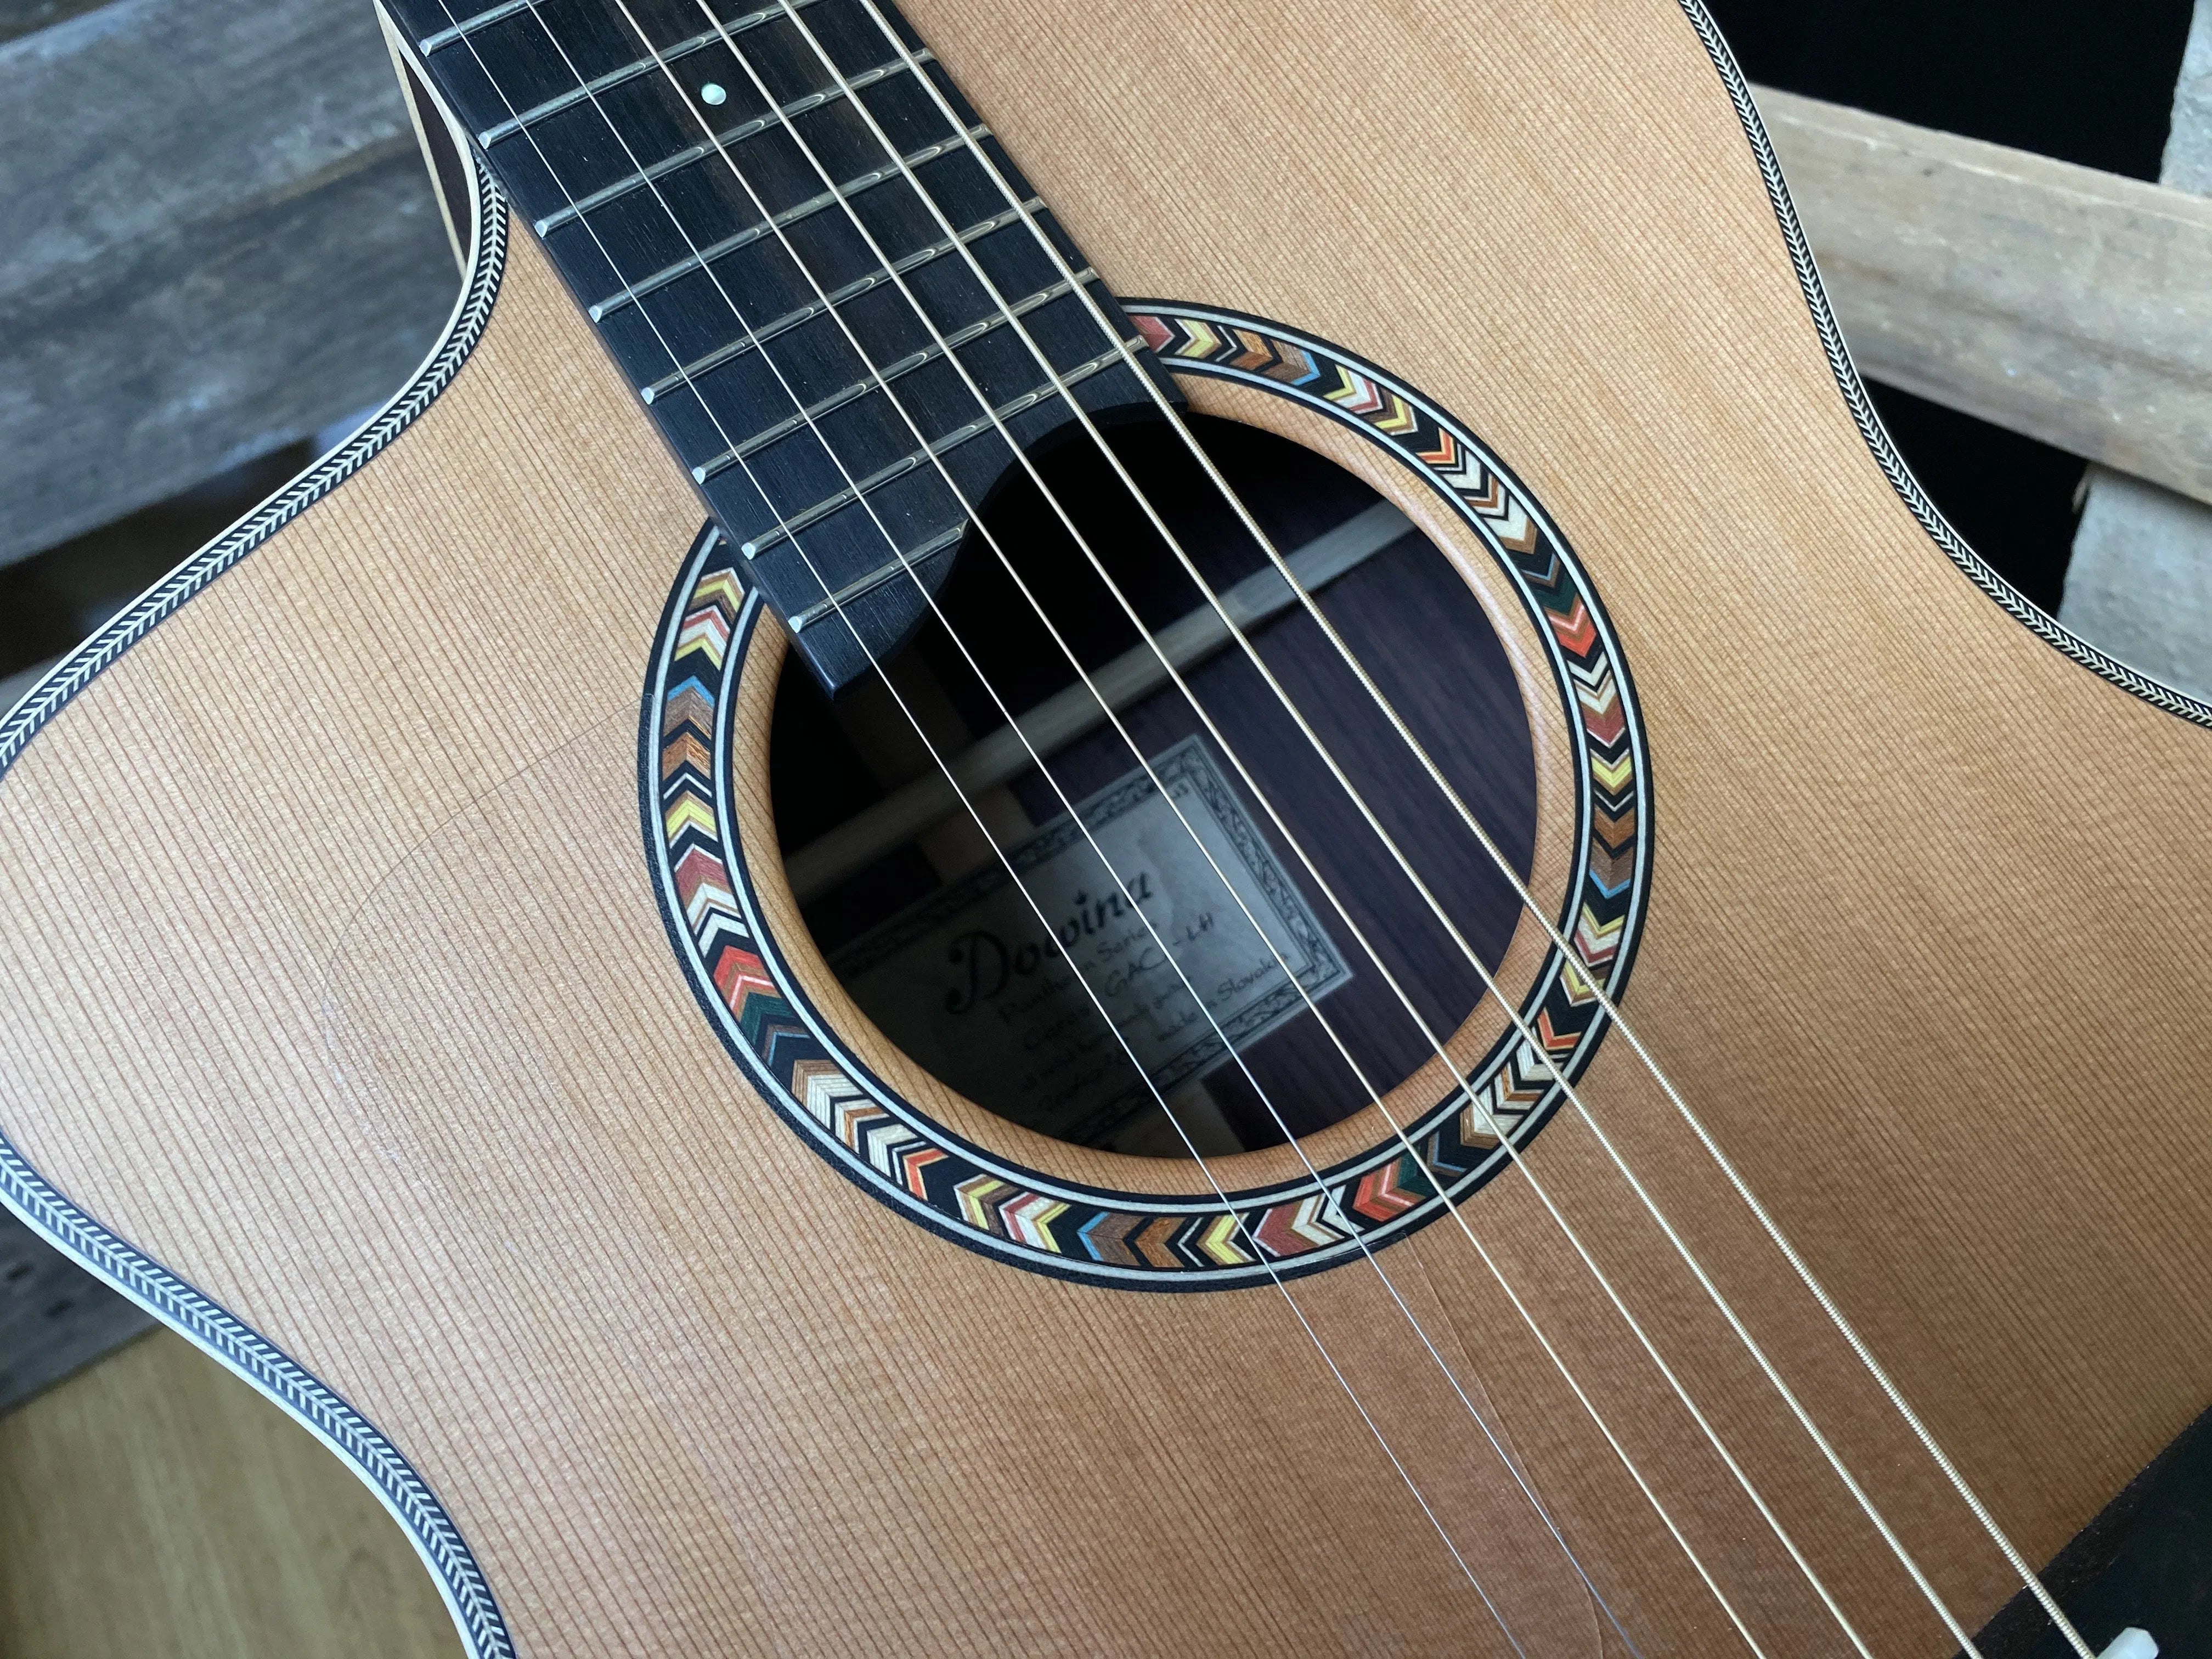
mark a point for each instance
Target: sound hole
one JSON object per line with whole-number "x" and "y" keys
{"x": 1238, "y": 1007}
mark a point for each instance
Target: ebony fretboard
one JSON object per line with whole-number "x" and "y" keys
{"x": 726, "y": 279}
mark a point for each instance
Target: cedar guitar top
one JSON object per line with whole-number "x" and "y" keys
{"x": 340, "y": 991}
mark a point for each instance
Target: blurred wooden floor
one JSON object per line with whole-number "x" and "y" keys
{"x": 153, "y": 1505}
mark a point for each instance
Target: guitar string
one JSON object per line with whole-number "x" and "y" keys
{"x": 1373, "y": 1094}
{"x": 1802, "y": 1270}
{"x": 1312, "y": 1335}
{"x": 1259, "y": 1254}
{"x": 1886, "y": 1385}
{"x": 760, "y": 207}
{"x": 1512, "y": 1150}
{"x": 810, "y": 424}
{"x": 876, "y": 375}
{"x": 888, "y": 265}
{"x": 1220, "y": 1035}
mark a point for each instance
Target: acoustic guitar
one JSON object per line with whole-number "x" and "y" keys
{"x": 1322, "y": 918}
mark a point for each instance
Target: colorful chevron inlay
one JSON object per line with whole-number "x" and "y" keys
{"x": 892, "y": 1148}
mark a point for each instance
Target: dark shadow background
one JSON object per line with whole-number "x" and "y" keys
{"x": 2088, "y": 83}
{"x": 2092, "y": 84}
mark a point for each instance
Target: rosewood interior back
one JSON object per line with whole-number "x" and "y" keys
{"x": 350, "y": 993}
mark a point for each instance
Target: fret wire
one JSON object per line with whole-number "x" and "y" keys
{"x": 607, "y": 83}
{"x": 903, "y": 564}
{"x": 852, "y": 290}
{"x": 735, "y": 135}
{"x": 614, "y": 77}
{"x": 702, "y": 257}
{"x": 883, "y": 377}
{"x": 468, "y": 25}
{"x": 988, "y": 421}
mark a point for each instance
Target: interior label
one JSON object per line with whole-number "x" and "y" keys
{"x": 971, "y": 984}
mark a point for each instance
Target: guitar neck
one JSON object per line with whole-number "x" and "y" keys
{"x": 690, "y": 173}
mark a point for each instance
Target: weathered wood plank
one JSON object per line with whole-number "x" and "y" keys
{"x": 221, "y": 237}
{"x": 25, "y": 17}
{"x": 2141, "y": 582}
{"x": 2069, "y": 304}
{"x": 2187, "y": 164}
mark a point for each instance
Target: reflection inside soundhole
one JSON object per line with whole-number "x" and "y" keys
{"x": 1163, "y": 968}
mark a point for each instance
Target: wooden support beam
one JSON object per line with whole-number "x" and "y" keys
{"x": 220, "y": 237}
{"x": 2069, "y": 304}
{"x": 2140, "y": 584}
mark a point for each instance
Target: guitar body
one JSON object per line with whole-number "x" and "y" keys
{"x": 353, "y": 1028}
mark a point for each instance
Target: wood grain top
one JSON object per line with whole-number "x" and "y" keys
{"x": 344, "y": 993}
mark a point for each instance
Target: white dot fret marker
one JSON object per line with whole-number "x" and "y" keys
{"x": 711, "y": 93}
